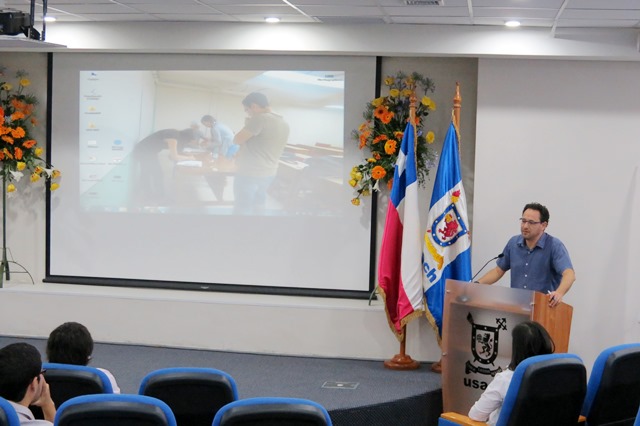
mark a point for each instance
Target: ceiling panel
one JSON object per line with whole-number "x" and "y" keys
{"x": 535, "y": 13}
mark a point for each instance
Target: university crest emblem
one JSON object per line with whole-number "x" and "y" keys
{"x": 484, "y": 346}
{"x": 448, "y": 227}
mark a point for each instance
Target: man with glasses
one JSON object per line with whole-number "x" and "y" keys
{"x": 537, "y": 260}
{"x": 22, "y": 383}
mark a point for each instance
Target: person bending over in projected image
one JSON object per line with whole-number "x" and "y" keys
{"x": 528, "y": 339}
{"x": 262, "y": 141}
{"x": 22, "y": 383}
{"x": 145, "y": 154}
{"x": 537, "y": 260}
{"x": 71, "y": 343}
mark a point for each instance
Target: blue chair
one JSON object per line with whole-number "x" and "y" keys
{"x": 8, "y": 415}
{"x": 637, "y": 422}
{"x": 194, "y": 394}
{"x": 67, "y": 381}
{"x": 544, "y": 390}
{"x": 613, "y": 391}
{"x": 272, "y": 412}
{"x": 114, "y": 410}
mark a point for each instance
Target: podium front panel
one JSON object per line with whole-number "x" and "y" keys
{"x": 476, "y": 338}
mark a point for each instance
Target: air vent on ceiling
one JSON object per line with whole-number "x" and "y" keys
{"x": 424, "y": 2}
{"x": 349, "y": 20}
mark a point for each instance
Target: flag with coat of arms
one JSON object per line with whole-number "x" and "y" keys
{"x": 447, "y": 242}
{"x": 400, "y": 267}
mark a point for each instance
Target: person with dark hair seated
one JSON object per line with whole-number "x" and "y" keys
{"x": 71, "y": 343}
{"x": 528, "y": 339}
{"x": 22, "y": 383}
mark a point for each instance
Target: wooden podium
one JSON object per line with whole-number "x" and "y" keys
{"x": 476, "y": 335}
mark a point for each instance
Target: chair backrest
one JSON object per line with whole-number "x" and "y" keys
{"x": 613, "y": 392}
{"x": 545, "y": 390}
{"x": 67, "y": 381}
{"x": 272, "y": 412}
{"x": 8, "y": 415}
{"x": 114, "y": 410}
{"x": 194, "y": 394}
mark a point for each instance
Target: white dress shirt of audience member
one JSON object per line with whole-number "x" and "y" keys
{"x": 529, "y": 338}
{"x": 23, "y": 384}
{"x": 71, "y": 343}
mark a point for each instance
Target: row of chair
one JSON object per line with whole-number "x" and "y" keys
{"x": 553, "y": 390}
{"x": 135, "y": 410}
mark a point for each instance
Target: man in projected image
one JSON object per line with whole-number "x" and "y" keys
{"x": 150, "y": 181}
{"x": 262, "y": 141}
{"x": 218, "y": 137}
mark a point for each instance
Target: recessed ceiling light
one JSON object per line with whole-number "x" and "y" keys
{"x": 49, "y": 19}
{"x": 271, "y": 19}
{"x": 512, "y": 23}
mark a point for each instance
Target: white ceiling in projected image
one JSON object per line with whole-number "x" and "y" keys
{"x": 313, "y": 89}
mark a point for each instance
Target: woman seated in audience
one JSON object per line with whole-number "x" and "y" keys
{"x": 71, "y": 343}
{"x": 529, "y": 339}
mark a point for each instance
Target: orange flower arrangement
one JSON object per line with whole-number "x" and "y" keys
{"x": 18, "y": 150}
{"x": 381, "y": 133}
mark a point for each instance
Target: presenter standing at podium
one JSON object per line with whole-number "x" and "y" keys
{"x": 537, "y": 260}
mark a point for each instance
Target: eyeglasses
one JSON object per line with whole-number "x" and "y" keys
{"x": 529, "y": 222}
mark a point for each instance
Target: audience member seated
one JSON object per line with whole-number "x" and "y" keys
{"x": 71, "y": 343}
{"x": 528, "y": 339}
{"x": 22, "y": 383}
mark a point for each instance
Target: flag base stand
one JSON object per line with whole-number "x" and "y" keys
{"x": 436, "y": 367}
{"x": 402, "y": 361}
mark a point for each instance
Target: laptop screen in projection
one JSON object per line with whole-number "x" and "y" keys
{"x": 153, "y": 176}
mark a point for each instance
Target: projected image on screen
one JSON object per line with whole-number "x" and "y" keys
{"x": 184, "y": 142}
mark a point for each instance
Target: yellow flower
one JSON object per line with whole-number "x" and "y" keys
{"x": 25, "y": 82}
{"x": 11, "y": 187}
{"x": 358, "y": 176}
{"x": 38, "y": 170}
{"x": 389, "y": 81}
{"x": 366, "y": 192}
{"x": 38, "y": 151}
{"x": 54, "y": 186}
{"x": 430, "y": 136}
{"x": 20, "y": 165}
{"x": 377, "y": 102}
{"x": 353, "y": 182}
{"x": 371, "y": 160}
{"x": 7, "y": 87}
{"x": 56, "y": 174}
{"x": 426, "y": 101}
{"x": 406, "y": 92}
{"x": 355, "y": 201}
{"x": 394, "y": 93}
{"x": 35, "y": 177}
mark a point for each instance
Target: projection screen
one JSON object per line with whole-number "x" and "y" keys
{"x": 166, "y": 216}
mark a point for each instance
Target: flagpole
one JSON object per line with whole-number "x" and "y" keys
{"x": 402, "y": 361}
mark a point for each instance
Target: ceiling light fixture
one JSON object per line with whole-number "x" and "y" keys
{"x": 272, "y": 19}
{"x": 512, "y": 24}
{"x": 49, "y": 19}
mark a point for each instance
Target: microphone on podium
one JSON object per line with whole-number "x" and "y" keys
{"x": 500, "y": 256}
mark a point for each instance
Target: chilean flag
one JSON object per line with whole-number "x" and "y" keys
{"x": 400, "y": 268}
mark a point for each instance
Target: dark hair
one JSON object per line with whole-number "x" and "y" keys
{"x": 208, "y": 118}
{"x": 544, "y": 212}
{"x": 256, "y": 98}
{"x": 70, "y": 343}
{"x": 20, "y": 363}
{"x": 529, "y": 339}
